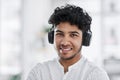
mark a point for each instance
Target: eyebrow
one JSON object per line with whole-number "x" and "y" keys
{"x": 75, "y": 32}
{"x": 59, "y": 31}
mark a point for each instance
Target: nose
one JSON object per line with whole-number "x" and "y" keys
{"x": 65, "y": 40}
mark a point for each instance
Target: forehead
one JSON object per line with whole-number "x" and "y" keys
{"x": 67, "y": 27}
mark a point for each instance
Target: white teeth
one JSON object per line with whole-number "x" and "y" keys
{"x": 66, "y": 48}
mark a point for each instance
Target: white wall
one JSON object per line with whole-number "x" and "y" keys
{"x": 35, "y": 16}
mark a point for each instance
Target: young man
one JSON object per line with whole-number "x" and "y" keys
{"x": 70, "y": 31}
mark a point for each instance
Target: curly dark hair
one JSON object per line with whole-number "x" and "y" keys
{"x": 72, "y": 14}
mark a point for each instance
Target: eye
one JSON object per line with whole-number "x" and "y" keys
{"x": 59, "y": 34}
{"x": 73, "y": 35}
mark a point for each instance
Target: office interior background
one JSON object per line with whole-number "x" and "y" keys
{"x": 23, "y": 35}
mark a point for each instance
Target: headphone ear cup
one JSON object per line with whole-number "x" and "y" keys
{"x": 51, "y": 37}
{"x": 86, "y": 38}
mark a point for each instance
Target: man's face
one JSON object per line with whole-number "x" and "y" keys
{"x": 67, "y": 40}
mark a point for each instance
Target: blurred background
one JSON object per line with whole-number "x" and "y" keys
{"x": 23, "y": 35}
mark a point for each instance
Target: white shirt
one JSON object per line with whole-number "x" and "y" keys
{"x": 53, "y": 70}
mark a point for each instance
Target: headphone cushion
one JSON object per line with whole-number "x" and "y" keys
{"x": 86, "y": 38}
{"x": 51, "y": 37}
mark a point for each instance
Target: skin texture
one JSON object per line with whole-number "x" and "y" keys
{"x": 68, "y": 43}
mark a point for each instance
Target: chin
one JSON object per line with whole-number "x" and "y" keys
{"x": 67, "y": 58}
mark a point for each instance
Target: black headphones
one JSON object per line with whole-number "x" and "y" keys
{"x": 85, "y": 42}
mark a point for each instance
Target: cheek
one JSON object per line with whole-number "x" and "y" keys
{"x": 78, "y": 42}
{"x": 57, "y": 41}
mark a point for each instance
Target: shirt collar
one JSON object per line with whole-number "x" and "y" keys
{"x": 78, "y": 64}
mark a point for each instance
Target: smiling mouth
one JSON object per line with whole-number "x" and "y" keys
{"x": 65, "y": 50}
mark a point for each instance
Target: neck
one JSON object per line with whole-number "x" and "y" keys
{"x": 67, "y": 63}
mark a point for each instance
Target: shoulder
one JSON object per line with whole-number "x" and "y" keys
{"x": 40, "y": 69}
{"x": 88, "y": 65}
{"x": 44, "y": 65}
{"x": 96, "y": 72}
